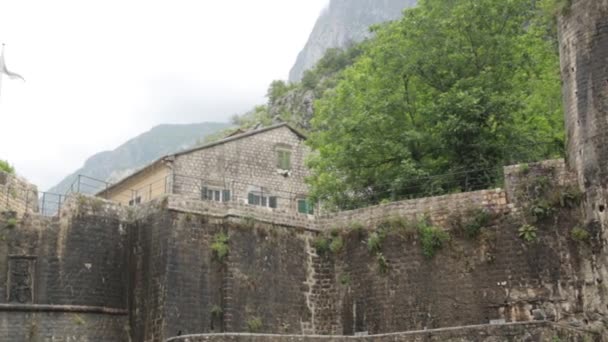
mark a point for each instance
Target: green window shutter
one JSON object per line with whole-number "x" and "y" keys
{"x": 302, "y": 207}
{"x": 226, "y": 196}
{"x": 272, "y": 202}
{"x": 204, "y": 193}
{"x": 287, "y": 161}
{"x": 251, "y": 198}
{"x": 311, "y": 207}
{"x": 284, "y": 160}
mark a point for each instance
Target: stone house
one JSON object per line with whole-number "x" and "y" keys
{"x": 263, "y": 167}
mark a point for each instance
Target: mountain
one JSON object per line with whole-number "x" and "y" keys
{"x": 137, "y": 152}
{"x": 344, "y": 22}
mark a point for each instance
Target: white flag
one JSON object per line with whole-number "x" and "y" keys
{"x": 5, "y": 71}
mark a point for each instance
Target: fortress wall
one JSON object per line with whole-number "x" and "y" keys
{"x": 496, "y": 276}
{"x": 149, "y": 241}
{"x": 50, "y": 265}
{"x": 180, "y": 285}
{"x": 157, "y": 265}
{"x": 583, "y": 43}
{"x": 471, "y": 280}
{"x": 273, "y": 273}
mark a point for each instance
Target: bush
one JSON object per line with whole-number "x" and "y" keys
{"x": 220, "y": 246}
{"x": 432, "y": 239}
{"x": 528, "y": 233}
{"x": 254, "y": 324}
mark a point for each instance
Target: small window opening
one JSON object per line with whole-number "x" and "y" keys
{"x": 284, "y": 160}
{"x": 262, "y": 200}
{"x": 306, "y": 206}
{"x": 215, "y": 195}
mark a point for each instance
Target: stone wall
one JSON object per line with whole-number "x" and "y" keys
{"x": 181, "y": 285}
{"x": 583, "y": 42}
{"x": 485, "y": 333}
{"x": 56, "y": 271}
{"x": 17, "y": 194}
{"x": 275, "y": 280}
{"x": 57, "y": 326}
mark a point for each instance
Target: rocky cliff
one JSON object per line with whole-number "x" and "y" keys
{"x": 343, "y": 23}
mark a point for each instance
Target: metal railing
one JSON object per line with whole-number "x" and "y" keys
{"x": 25, "y": 199}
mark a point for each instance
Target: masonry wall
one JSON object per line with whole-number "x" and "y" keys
{"x": 16, "y": 194}
{"x": 181, "y": 286}
{"x": 147, "y": 269}
{"x": 583, "y": 40}
{"x": 495, "y": 276}
{"x": 61, "y": 327}
{"x": 244, "y": 165}
{"x": 156, "y": 268}
{"x": 273, "y": 273}
{"x": 54, "y": 269}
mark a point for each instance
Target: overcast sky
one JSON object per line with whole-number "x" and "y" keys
{"x": 100, "y": 72}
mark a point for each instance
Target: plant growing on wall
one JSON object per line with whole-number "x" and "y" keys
{"x": 383, "y": 264}
{"x": 220, "y": 246}
{"x": 11, "y": 223}
{"x": 333, "y": 243}
{"x": 345, "y": 279}
{"x": 471, "y": 222}
{"x": 321, "y": 245}
{"x": 254, "y": 324}
{"x": 580, "y": 235}
{"x": 528, "y": 233}
{"x": 336, "y": 245}
{"x": 374, "y": 242}
{"x": 432, "y": 238}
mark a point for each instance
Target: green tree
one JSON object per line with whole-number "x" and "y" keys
{"x": 453, "y": 86}
{"x": 277, "y": 90}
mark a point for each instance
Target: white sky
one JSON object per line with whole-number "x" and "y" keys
{"x": 101, "y": 72}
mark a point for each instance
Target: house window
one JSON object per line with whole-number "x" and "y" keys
{"x": 306, "y": 207}
{"x": 262, "y": 200}
{"x": 135, "y": 201}
{"x": 216, "y": 195}
{"x": 283, "y": 160}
